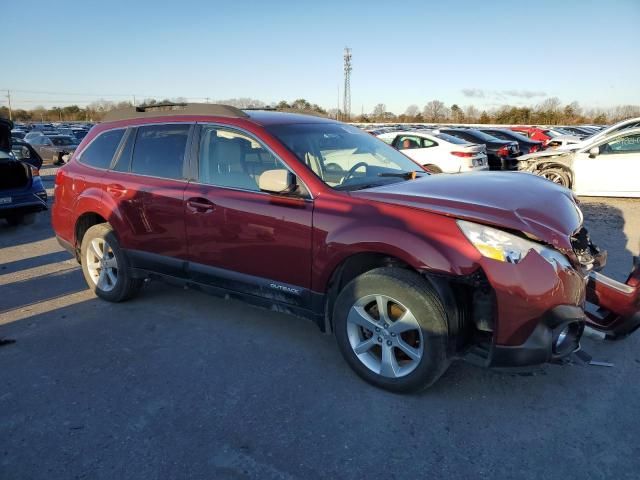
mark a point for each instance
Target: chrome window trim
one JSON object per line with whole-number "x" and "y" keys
{"x": 261, "y": 143}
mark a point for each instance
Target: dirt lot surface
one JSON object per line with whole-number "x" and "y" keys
{"x": 176, "y": 384}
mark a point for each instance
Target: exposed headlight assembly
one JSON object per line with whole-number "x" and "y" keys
{"x": 505, "y": 247}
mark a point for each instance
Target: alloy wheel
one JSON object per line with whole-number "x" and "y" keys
{"x": 385, "y": 336}
{"x": 102, "y": 264}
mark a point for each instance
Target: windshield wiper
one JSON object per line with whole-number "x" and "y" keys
{"x": 406, "y": 175}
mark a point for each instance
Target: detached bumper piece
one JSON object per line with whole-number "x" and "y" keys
{"x": 556, "y": 336}
{"x": 614, "y": 307}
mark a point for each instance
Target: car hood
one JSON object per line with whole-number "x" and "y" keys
{"x": 567, "y": 138}
{"x": 545, "y": 154}
{"x": 509, "y": 200}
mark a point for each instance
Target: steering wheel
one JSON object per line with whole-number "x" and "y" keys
{"x": 353, "y": 169}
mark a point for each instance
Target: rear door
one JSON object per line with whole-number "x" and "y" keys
{"x": 147, "y": 185}
{"x": 241, "y": 238}
{"x": 614, "y": 171}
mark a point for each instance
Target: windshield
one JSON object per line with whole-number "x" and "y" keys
{"x": 344, "y": 157}
{"x": 62, "y": 141}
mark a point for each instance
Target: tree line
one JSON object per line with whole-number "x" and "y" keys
{"x": 96, "y": 110}
{"x": 549, "y": 112}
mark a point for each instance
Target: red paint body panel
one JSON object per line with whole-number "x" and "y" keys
{"x": 252, "y": 233}
{"x": 526, "y": 291}
{"x": 533, "y": 133}
{"x": 147, "y": 213}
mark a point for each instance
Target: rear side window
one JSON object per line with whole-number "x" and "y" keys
{"x": 101, "y": 150}
{"x": 159, "y": 151}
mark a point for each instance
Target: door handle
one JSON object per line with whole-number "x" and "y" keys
{"x": 200, "y": 205}
{"x": 116, "y": 190}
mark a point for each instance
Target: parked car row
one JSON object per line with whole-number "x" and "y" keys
{"x": 456, "y": 150}
{"x": 591, "y": 160}
{"x": 52, "y": 141}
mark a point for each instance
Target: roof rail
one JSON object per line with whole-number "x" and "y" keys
{"x": 172, "y": 109}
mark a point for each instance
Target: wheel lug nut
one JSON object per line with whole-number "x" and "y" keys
{"x": 377, "y": 329}
{"x": 393, "y": 334}
{"x": 379, "y": 339}
{"x": 389, "y": 342}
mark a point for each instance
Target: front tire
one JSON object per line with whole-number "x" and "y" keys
{"x": 105, "y": 266}
{"x": 392, "y": 329}
{"x": 557, "y": 175}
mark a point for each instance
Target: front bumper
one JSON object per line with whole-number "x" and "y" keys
{"x": 542, "y": 345}
{"x": 537, "y": 302}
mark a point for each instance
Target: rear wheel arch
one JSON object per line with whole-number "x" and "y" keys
{"x": 83, "y": 223}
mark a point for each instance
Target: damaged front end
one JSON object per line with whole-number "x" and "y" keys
{"x": 612, "y": 307}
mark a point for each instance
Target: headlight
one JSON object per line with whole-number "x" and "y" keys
{"x": 505, "y": 247}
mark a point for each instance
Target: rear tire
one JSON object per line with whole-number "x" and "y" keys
{"x": 105, "y": 266}
{"x": 403, "y": 351}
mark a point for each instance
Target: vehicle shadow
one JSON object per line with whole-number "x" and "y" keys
{"x": 606, "y": 225}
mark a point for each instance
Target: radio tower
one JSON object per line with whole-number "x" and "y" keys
{"x": 346, "y": 107}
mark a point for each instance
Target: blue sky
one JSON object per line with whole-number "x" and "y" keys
{"x": 465, "y": 52}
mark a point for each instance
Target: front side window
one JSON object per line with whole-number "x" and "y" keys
{"x": 344, "y": 157}
{"x": 232, "y": 159}
{"x": 159, "y": 151}
{"x": 626, "y": 144}
{"x": 101, "y": 150}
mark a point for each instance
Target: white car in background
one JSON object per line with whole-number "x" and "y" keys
{"x": 617, "y": 127}
{"x": 606, "y": 167}
{"x": 439, "y": 152}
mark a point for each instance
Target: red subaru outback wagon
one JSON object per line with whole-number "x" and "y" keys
{"x": 317, "y": 218}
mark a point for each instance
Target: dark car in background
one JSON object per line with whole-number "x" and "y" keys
{"x": 501, "y": 154}
{"x": 22, "y": 193}
{"x": 526, "y": 144}
{"x": 25, "y": 152}
{"x": 55, "y": 147}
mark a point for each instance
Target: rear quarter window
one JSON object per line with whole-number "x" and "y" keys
{"x": 101, "y": 150}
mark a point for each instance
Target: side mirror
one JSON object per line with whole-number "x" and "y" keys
{"x": 280, "y": 181}
{"x": 594, "y": 152}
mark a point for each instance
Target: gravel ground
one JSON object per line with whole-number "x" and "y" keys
{"x": 177, "y": 384}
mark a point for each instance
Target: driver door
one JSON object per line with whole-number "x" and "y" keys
{"x": 613, "y": 171}
{"x": 239, "y": 237}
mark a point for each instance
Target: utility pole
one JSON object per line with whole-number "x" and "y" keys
{"x": 9, "y": 98}
{"x": 347, "y": 83}
{"x": 134, "y": 100}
